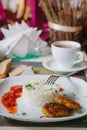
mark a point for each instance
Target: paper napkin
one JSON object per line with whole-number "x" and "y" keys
{"x": 21, "y": 40}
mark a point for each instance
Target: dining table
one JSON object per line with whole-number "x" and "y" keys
{"x": 37, "y": 67}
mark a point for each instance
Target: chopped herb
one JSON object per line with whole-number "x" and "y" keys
{"x": 48, "y": 89}
{"x": 73, "y": 94}
{"x": 51, "y": 89}
{"x": 56, "y": 91}
{"x": 29, "y": 86}
{"x": 23, "y": 113}
{"x": 58, "y": 107}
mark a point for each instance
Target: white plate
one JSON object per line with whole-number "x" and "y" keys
{"x": 73, "y": 87}
{"x": 51, "y": 65}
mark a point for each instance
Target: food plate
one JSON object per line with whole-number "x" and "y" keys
{"x": 73, "y": 87}
{"x": 51, "y": 65}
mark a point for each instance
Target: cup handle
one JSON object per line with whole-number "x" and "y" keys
{"x": 79, "y": 57}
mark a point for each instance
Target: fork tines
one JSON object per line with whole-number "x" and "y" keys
{"x": 51, "y": 80}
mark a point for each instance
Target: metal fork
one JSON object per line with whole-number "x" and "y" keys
{"x": 51, "y": 80}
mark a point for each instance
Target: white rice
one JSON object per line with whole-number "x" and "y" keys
{"x": 38, "y": 93}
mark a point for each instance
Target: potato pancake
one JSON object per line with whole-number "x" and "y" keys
{"x": 70, "y": 104}
{"x": 55, "y": 110}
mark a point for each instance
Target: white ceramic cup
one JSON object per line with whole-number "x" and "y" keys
{"x": 67, "y": 54}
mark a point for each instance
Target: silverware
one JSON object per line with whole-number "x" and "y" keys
{"x": 51, "y": 80}
{"x": 85, "y": 74}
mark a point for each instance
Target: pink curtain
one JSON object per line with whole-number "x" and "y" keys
{"x": 37, "y": 16}
{"x": 2, "y": 13}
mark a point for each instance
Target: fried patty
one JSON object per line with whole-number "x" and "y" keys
{"x": 70, "y": 104}
{"x": 55, "y": 110}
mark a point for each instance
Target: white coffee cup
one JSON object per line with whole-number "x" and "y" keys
{"x": 67, "y": 54}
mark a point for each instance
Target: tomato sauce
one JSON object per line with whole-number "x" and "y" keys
{"x": 16, "y": 90}
{"x": 9, "y": 99}
{"x": 61, "y": 90}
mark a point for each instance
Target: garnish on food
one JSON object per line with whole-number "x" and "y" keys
{"x": 62, "y": 107}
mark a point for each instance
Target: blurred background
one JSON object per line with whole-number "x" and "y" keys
{"x": 12, "y": 11}
{"x": 38, "y": 13}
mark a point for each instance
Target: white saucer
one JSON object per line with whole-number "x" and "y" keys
{"x": 51, "y": 65}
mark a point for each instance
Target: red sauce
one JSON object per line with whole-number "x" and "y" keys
{"x": 9, "y": 99}
{"x": 61, "y": 90}
{"x": 16, "y": 90}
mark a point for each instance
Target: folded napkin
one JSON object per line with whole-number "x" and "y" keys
{"x": 22, "y": 40}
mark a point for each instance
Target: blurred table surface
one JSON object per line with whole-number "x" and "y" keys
{"x": 9, "y": 123}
